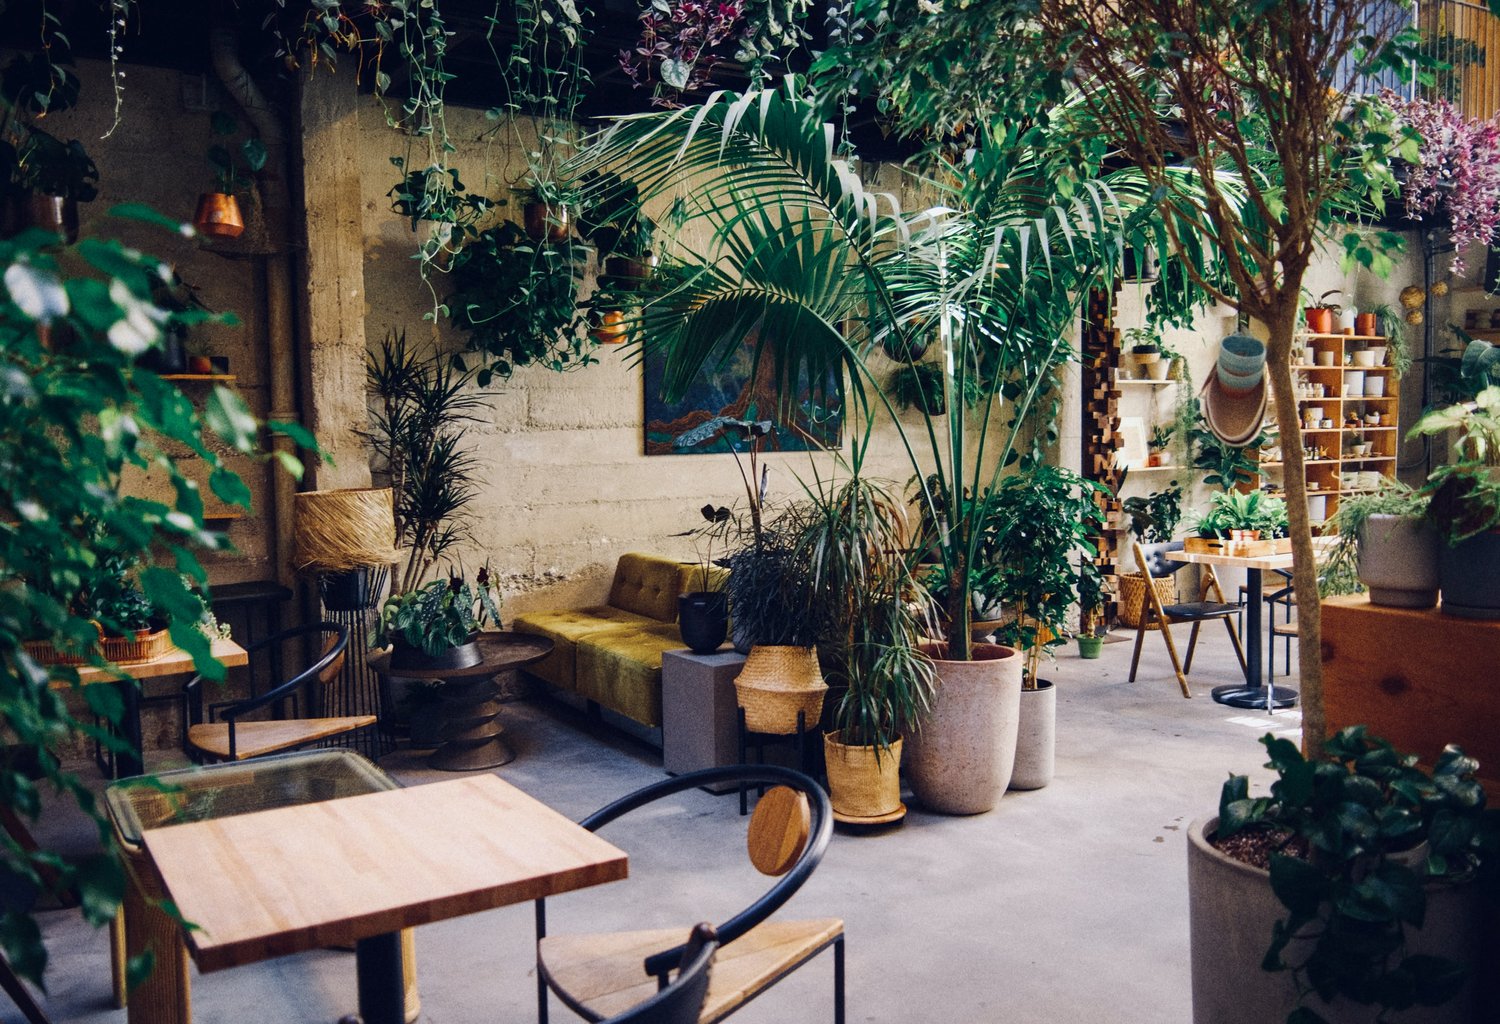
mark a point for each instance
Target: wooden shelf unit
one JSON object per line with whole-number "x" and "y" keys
{"x": 1324, "y": 474}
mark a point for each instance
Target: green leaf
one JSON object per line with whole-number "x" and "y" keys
{"x": 1299, "y": 885}
{"x": 229, "y": 487}
{"x": 254, "y": 152}
{"x": 105, "y": 701}
{"x": 138, "y": 969}
{"x": 228, "y": 416}
{"x": 301, "y": 436}
{"x": 100, "y": 882}
{"x": 147, "y": 215}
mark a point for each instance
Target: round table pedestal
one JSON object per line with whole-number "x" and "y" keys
{"x": 1242, "y": 695}
{"x": 472, "y": 729}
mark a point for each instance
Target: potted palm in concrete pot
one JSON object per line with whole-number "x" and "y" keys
{"x": 1348, "y": 895}
{"x": 853, "y": 541}
{"x": 1044, "y": 518}
{"x": 1465, "y": 504}
{"x": 1386, "y": 543}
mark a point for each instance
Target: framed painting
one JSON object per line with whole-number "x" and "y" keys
{"x": 804, "y": 423}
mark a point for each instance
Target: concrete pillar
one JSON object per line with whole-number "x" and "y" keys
{"x": 332, "y": 304}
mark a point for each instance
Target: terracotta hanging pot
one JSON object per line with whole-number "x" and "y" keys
{"x": 611, "y": 328}
{"x": 545, "y": 223}
{"x": 219, "y": 215}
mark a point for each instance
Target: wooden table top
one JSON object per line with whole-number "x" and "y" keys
{"x": 282, "y": 881}
{"x": 176, "y": 662}
{"x": 1281, "y": 561}
{"x": 500, "y": 651}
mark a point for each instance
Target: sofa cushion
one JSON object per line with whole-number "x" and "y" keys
{"x": 564, "y": 629}
{"x": 621, "y": 669}
{"x": 647, "y": 585}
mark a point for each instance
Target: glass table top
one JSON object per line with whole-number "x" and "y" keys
{"x": 223, "y": 790}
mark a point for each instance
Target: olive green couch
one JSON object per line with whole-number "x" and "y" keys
{"x": 611, "y": 654}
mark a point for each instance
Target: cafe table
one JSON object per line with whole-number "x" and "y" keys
{"x": 127, "y": 679}
{"x": 359, "y": 869}
{"x": 1251, "y": 693}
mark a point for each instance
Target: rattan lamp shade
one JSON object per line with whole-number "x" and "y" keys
{"x": 335, "y": 531}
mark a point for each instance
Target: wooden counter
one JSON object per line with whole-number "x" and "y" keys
{"x": 1420, "y": 679}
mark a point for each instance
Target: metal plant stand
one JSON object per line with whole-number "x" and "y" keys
{"x": 350, "y": 599}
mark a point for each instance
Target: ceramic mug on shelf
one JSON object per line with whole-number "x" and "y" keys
{"x": 1327, "y": 424}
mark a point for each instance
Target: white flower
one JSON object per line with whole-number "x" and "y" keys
{"x": 930, "y": 6}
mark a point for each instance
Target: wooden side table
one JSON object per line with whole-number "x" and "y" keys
{"x": 698, "y": 711}
{"x": 1418, "y": 678}
{"x": 472, "y": 736}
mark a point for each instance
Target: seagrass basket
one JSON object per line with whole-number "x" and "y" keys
{"x": 775, "y": 684}
{"x": 1133, "y": 598}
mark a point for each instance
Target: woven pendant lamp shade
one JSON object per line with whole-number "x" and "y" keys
{"x": 335, "y": 531}
{"x": 775, "y": 684}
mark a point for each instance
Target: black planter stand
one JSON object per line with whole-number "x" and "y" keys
{"x": 350, "y": 599}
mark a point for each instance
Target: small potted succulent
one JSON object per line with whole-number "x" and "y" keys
{"x": 436, "y": 625}
{"x": 1161, "y": 438}
{"x": 1144, "y": 344}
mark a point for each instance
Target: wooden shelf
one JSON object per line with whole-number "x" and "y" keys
{"x": 1153, "y": 469}
{"x": 199, "y": 376}
{"x": 1483, "y": 332}
{"x": 1341, "y": 336}
{"x": 1132, "y": 382}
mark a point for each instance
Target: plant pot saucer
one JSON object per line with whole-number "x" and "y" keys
{"x": 875, "y": 819}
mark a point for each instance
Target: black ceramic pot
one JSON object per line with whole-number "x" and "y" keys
{"x": 703, "y": 617}
{"x": 405, "y": 656}
{"x": 1469, "y": 577}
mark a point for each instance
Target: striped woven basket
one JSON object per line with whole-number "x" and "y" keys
{"x": 1133, "y": 598}
{"x": 775, "y": 684}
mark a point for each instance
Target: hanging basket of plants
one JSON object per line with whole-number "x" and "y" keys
{"x": 776, "y": 683}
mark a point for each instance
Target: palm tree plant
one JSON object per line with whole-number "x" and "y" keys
{"x": 423, "y": 404}
{"x": 821, "y": 273}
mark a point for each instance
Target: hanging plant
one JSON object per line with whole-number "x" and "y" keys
{"x": 682, "y": 41}
{"x": 518, "y": 301}
{"x": 1457, "y": 173}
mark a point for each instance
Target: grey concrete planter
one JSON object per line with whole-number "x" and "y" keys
{"x": 1231, "y": 911}
{"x": 960, "y": 761}
{"x": 1398, "y": 561}
{"x": 1036, "y": 738}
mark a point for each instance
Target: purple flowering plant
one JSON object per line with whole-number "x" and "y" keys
{"x": 1458, "y": 173}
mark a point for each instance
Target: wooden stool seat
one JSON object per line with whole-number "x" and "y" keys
{"x": 601, "y": 975}
{"x": 256, "y": 739}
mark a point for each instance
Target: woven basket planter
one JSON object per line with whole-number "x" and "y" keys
{"x": 144, "y": 645}
{"x": 1133, "y": 598}
{"x": 775, "y": 684}
{"x": 865, "y": 786}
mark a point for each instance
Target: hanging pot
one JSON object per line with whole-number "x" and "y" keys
{"x": 610, "y": 329}
{"x": 864, "y": 783}
{"x": 218, "y": 215}
{"x": 56, "y": 214}
{"x": 703, "y": 617}
{"x": 631, "y": 268}
{"x": 545, "y": 223}
{"x": 776, "y": 683}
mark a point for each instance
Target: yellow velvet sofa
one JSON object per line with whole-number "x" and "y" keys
{"x": 611, "y": 654}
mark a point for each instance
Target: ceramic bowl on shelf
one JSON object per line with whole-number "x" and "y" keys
{"x": 1375, "y": 386}
{"x": 1364, "y": 357}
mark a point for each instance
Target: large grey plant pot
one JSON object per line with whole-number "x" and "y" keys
{"x": 1398, "y": 561}
{"x": 1470, "y": 577}
{"x": 960, "y": 760}
{"x": 1036, "y": 738}
{"x": 1231, "y": 910}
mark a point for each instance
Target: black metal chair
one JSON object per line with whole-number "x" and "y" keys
{"x": 1196, "y": 612}
{"x": 599, "y": 974}
{"x": 225, "y": 737}
{"x": 681, "y": 1001}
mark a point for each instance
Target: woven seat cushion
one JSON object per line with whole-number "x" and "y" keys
{"x": 1201, "y": 610}
{"x": 565, "y": 629}
{"x": 621, "y": 669}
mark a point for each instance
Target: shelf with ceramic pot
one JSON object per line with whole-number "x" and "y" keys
{"x": 1133, "y": 383}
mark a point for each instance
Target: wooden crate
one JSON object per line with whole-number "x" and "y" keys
{"x": 1421, "y": 679}
{"x": 1238, "y": 548}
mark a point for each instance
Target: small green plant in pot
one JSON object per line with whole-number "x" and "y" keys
{"x": 1154, "y": 517}
{"x": 1352, "y": 875}
{"x": 435, "y": 625}
{"x": 703, "y": 614}
{"x": 1233, "y": 515}
{"x": 1091, "y": 624}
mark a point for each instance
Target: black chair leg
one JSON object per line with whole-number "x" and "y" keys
{"x": 541, "y": 984}
{"x": 744, "y": 805}
{"x": 838, "y": 980}
{"x": 19, "y": 995}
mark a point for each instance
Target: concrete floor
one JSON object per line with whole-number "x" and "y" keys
{"x": 1063, "y": 904}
